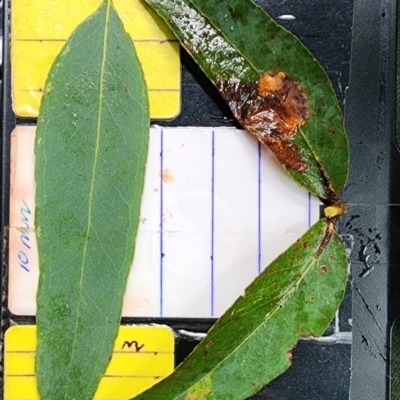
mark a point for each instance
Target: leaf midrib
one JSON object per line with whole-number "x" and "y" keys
{"x": 278, "y": 307}
{"x": 89, "y": 220}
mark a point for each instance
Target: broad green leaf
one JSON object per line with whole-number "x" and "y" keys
{"x": 296, "y": 296}
{"x": 236, "y": 41}
{"x": 91, "y": 150}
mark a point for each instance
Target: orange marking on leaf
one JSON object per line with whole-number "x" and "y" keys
{"x": 272, "y": 109}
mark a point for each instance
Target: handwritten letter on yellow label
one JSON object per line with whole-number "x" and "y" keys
{"x": 143, "y": 355}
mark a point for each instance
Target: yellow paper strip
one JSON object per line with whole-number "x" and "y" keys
{"x": 143, "y": 355}
{"x": 40, "y": 28}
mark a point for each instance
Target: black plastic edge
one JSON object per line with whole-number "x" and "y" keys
{"x": 369, "y": 115}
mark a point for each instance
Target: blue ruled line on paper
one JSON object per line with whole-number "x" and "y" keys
{"x": 259, "y": 207}
{"x": 309, "y": 210}
{"x": 161, "y": 221}
{"x": 212, "y": 217}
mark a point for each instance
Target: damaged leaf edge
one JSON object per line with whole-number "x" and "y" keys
{"x": 330, "y": 195}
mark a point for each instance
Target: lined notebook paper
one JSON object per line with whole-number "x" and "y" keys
{"x": 40, "y": 29}
{"x": 142, "y": 356}
{"x": 216, "y": 209}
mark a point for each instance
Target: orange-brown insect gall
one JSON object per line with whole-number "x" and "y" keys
{"x": 272, "y": 109}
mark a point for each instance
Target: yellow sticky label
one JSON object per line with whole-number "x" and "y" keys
{"x": 40, "y": 28}
{"x": 142, "y": 356}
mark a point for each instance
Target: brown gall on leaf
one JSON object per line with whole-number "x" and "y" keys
{"x": 324, "y": 269}
{"x": 272, "y": 109}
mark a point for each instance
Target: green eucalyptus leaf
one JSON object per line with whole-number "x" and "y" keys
{"x": 91, "y": 150}
{"x": 251, "y": 344}
{"x": 236, "y": 41}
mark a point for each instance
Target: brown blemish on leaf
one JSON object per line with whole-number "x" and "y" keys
{"x": 167, "y": 176}
{"x": 332, "y": 258}
{"x": 306, "y": 245}
{"x": 232, "y": 12}
{"x": 209, "y": 343}
{"x": 324, "y": 269}
{"x": 312, "y": 299}
{"x": 272, "y": 109}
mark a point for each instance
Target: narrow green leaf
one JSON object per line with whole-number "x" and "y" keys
{"x": 235, "y": 40}
{"x": 91, "y": 150}
{"x": 296, "y": 296}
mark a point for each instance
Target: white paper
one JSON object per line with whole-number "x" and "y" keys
{"x": 216, "y": 209}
